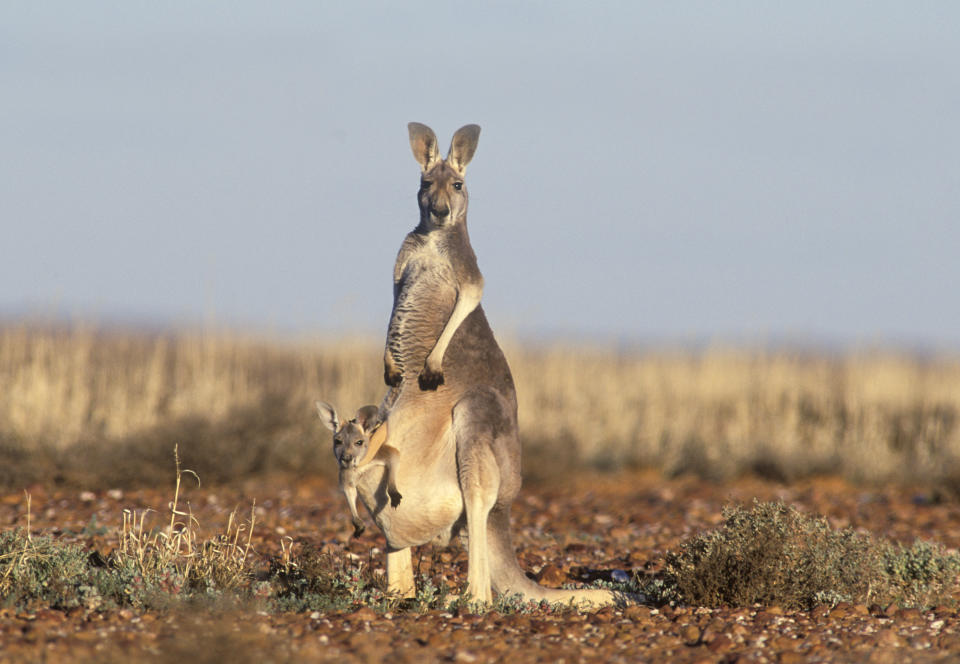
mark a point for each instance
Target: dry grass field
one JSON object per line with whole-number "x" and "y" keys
{"x": 102, "y": 407}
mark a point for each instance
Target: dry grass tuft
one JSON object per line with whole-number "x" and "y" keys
{"x": 152, "y": 567}
{"x": 176, "y": 553}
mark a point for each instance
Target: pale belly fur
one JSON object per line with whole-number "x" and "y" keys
{"x": 425, "y": 472}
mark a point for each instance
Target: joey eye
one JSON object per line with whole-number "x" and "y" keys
{"x": 458, "y": 186}
{"x": 337, "y": 441}
{"x": 359, "y": 443}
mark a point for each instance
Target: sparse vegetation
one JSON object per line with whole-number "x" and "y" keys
{"x": 160, "y": 567}
{"x": 150, "y": 567}
{"x": 316, "y": 581}
{"x": 771, "y": 555}
{"x": 774, "y": 555}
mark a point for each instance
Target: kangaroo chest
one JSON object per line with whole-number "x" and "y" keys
{"x": 426, "y": 295}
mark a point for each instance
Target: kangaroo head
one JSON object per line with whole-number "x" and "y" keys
{"x": 351, "y": 439}
{"x": 442, "y": 196}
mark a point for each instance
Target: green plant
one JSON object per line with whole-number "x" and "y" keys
{"x": 772, "y": 554}
{"x": 922, "y": 574}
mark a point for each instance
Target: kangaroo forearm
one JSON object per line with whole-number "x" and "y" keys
{"x": 467, "y": 300}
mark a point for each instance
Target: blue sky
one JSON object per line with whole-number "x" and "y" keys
{"x": 647, "y": 172}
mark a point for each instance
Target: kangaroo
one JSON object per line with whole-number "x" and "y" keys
{"x": 455, "y": 428}
{"x": 437, "y": 253}
{"x": 351, "y": 447}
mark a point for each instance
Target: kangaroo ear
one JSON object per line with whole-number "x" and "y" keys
{"x": 424, "y": 144}
{"x": 328, "y": 415}
{"x": 462, "y": 147}
{"x": 368, "y": 418}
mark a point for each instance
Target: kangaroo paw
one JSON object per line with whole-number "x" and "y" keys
{"x": 430, "y": 380}
{"x": 392, "y": 378}
{"x": 395, "y": 497}
{"x": 358, "y": 528}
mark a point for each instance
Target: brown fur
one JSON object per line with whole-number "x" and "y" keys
{"x": 455, "y": 427}
{"x": 358, "y": 446}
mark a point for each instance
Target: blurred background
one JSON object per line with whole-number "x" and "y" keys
{"x": 738, "y": 219}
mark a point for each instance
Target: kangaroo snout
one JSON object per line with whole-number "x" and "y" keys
{"x": 440, "y": 212}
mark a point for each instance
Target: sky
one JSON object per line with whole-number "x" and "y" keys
{"x": 647, "y": 172}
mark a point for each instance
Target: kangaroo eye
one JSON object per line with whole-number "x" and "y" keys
{"x": 425, "y": 184}
{"x": 359, "y": 443}
{"x": 458, "y": 186}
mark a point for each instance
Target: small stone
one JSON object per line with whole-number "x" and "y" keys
{"x": 949, "y": 642}
{"x": 885, "y": 657}
{"x": 721, "y": 643}
{"x": 840, "y": 611}
{"x": 783, "y": 643}
{"x": 690, "y": 635}
{"x": 49, "y": 615}
{"x": 551, "y": 575}
{"x": 605, "y": 614}
{"x": 636, "y": 612}
{"x": 364, "y": 613}
{"x": 908, "y": 614}
{"x": 889, "y": 637}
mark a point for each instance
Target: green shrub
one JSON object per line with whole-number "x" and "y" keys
{"x": 315, "y": 581}
{"x": 39, "y": 570}
{"x": 920, "y": 575}
{"x": 774, "y": 555}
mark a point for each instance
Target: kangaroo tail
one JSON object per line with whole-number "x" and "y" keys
{"x": 508, "y": 578}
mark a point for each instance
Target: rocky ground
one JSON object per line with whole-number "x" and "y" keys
{"x": 565, "y": 532}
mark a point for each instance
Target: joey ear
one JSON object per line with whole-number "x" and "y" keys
{"x": 328, "y": 415}
{"x": 423, "y": 142}
{"x": 368, "y": 418}
{"x": 462, "y": 147}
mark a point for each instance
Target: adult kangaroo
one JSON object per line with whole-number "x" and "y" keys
{"x": 452, "y": 408}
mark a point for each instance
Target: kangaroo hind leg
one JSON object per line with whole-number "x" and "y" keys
{"x": 479, "y": 478}
{"x": 400, "y": 573}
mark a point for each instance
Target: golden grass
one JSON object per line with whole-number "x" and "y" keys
{"x": 86, "y": 399}
{"x": 721, "y": 411}
{"x": 220, "y": 562}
